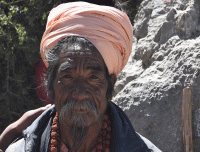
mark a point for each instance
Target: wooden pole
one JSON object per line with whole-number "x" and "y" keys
{"x": 187, "y": 120}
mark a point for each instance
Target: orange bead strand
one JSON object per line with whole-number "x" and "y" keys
{"x": 103, "y": 141}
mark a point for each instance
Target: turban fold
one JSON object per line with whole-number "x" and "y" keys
{"x": 107, "y": 28}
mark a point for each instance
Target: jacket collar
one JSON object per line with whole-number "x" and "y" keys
{"x": 37, "y": 135}
{"x": 123, "y": 136}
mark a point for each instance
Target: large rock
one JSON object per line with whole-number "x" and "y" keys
{"x": 165, "y": 59}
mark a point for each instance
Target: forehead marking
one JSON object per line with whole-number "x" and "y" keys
{"x": 74, "y": 46}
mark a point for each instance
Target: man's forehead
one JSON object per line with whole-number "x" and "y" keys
{"x": 79, "y": 49}
{"x": 88, "y": 64}
{"x": 73, "y": 60}
{"x": 71, "y": 54}
{"x": 78, "y": 46}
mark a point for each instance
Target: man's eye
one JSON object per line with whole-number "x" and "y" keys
{"x": 93, "y": 77}
{"x": 67, "y": 76}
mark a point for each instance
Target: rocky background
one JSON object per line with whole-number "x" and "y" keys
{"x": 164, "y": 60}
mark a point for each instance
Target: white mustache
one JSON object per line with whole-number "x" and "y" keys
{"x": 71, "y": 105}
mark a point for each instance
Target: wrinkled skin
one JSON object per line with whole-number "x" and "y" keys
{"x": 80, "y": 78}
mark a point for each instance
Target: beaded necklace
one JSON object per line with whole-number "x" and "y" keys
{"x": 103, "y": 141}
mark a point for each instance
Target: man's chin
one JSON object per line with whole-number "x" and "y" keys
{"x": 82, "y": 120}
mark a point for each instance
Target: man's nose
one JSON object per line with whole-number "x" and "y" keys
{"x": 80, "y": 93}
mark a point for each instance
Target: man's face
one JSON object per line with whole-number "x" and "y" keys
{"x": 80, "y": 85}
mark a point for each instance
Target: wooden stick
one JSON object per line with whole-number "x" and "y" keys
{"x": 187, "y": 120}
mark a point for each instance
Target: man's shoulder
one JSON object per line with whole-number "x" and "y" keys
{"x": 17, "y": 146}
{"x": 124, "y": 134}
{"x": 39, "y": 129}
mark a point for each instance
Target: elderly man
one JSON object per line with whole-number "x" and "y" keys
{"x": 85, "y": 46}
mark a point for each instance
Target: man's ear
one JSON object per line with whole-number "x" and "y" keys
{"x": 50, "y": 91}
{"x": 112, "y": 82}
{"x": 114, "y": 77}
{"x": 50, "y": 95}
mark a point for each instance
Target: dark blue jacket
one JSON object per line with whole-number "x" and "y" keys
{"x": 123, "y": 137}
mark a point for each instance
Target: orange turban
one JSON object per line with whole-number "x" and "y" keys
{"x": 107, "y": 28}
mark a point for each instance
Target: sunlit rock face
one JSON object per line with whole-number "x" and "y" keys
{"x": 165, "y": 58}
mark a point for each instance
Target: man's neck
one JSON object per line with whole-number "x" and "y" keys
{"x": 90, "y": 140}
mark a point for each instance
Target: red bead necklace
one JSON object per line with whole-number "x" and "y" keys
{"x": 103, "y": 142}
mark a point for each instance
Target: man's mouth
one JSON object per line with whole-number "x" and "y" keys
{"x": 80, "y": 110}
{"x": 81, "y": 107}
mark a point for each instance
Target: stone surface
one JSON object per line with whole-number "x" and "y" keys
{"x": 165, "y": 58}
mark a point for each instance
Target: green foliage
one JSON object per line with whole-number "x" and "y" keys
{"x": 21, "y": 29}
{"x": 22, "y": 23}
